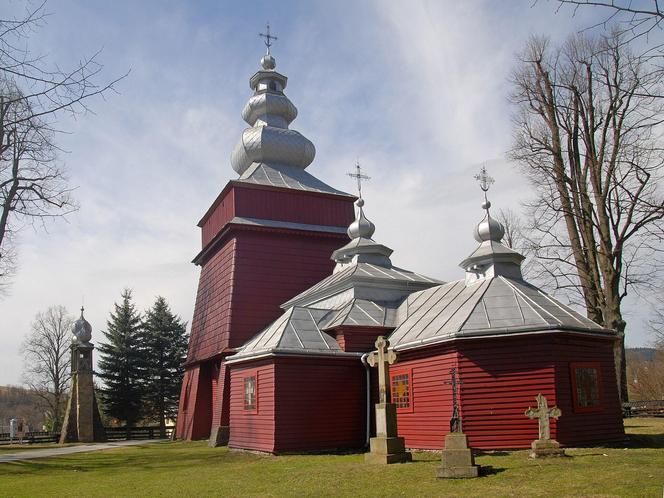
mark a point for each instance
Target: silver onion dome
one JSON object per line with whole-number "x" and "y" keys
{"x": 361, "y": 227}
{"x": 269, "y": 112}
{"x": 488, "y": 228}
{"x": 82, "y": 330}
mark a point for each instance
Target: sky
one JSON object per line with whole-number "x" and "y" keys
{"x": 417, "y": 91}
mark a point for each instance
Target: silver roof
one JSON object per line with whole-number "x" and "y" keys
{"x": 497, "y": 305}
{"x": 352, "y": 276}
{"x": 301, "y": 330}
{"x": 286, "y": 176}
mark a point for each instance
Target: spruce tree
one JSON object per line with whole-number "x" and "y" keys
{"x": 122, "y": 363}
{"x": 165, "y": 341}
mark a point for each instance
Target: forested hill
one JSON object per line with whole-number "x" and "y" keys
{"x": 18, "y": 402}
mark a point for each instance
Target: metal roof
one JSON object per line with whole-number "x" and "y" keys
{"x": 361, "y": 312}
{"x": 283, "y": 175}
{"x": 492, "y": 306}
{"x": 360, "y": 272}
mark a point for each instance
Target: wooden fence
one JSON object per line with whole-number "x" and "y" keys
{"x": 112, "y": 434}
{"x": 652, "y": 408}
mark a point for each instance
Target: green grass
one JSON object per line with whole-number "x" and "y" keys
{"x": 193, "y": 469}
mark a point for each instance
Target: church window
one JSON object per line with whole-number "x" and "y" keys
{"x": 586, "y": 387}
{"x": 402, "y": 390}
{"x": 272, "y": 86}
{"x": 250, "y": 393}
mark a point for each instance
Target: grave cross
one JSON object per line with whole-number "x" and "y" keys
{"x": 382, "y": 358}
{"x": 455, "y": 421}
{"x": 543, "y": 413}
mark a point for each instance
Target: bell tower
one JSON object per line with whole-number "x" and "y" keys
{"x": 82, "y": 422}
{"x": 267, "y": 237}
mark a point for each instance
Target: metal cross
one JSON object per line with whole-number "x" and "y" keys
{"x": 543, "y": 413}
{"x": 455, "y": 421}
{"x": 382, "y": 358}
{"x": 359, "y": 176}
{"x": 484, "y": 179}
{"x": 268, "y": 38}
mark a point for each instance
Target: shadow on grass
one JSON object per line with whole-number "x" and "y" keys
{"x": 490, "y": 470}
{"x": 643, "y": 441}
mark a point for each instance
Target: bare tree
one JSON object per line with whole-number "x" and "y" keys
{"x": 588, "y": 136}
{"x": 33, "y": 95}
{"x": 47, "y": 360}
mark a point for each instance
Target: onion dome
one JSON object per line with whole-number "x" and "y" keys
{"x": 488, "y": 228}
{"x": 82, "y": 330}
{"x": 269, "y": 141}
{"x": 361, "y": 227}
{"x": 491, "y": 258}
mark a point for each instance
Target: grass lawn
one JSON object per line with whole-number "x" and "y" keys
{"x": 193, "y": 469}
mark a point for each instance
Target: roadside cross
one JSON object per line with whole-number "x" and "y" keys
{"x": 383, "y": 357}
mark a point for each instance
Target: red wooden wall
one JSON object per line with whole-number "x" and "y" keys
{"x": 194, "y": 413}
{"x": 587, "y": 428}
{"x": 252, "y": 430}
{"x": 501, "y": 378}
{"x": 320, "y": 404}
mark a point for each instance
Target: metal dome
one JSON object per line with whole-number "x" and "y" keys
{"x": 82, "y": 330}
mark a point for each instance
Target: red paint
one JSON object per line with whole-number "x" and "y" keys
{"x": 304, "y": 404}
{"x": 247, "y": 272}
{"x": 501, "y": 378}
{"x": 358, "y": 339}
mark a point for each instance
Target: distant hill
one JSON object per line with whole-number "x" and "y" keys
{"x": 640, "y": 354}
{"x": 18, "y": 402}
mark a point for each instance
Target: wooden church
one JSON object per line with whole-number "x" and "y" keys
{"x": 294, "y": 291}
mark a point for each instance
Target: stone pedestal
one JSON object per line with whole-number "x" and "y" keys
{"x": 544, "y": 448}
{"x": 387, "y": 447}
{"x": 458, "y": 460}
{"x": 219, "y": 436}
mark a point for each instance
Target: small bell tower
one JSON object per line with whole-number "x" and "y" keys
{"x": 82, "y": 422}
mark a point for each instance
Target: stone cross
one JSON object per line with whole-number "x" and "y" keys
{"x": 455, "y": 421}
{"x": 382, "y": 358}
{"x": 543, "y": 413}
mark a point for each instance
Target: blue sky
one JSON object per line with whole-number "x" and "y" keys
{"x": 416, "y": 90}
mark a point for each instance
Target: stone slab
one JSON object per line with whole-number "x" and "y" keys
{"x": 456, "y": 441}
{"x": 387, "y": 445}
{"x": 458, "y": 458}
{"x": 386, "y": 419}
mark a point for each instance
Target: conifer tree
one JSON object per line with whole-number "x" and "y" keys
{"x": 165, "y": 341}
{"x": 122, "y": 363}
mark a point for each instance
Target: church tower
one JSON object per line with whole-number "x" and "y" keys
{"x": 267, "y": 237}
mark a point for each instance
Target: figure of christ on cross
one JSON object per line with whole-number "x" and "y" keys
{"x": 543, "y": 413}
{"x": 383, "y": 357}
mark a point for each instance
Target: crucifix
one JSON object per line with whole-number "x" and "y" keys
{"x": 543, "y": 413}
{"x": 268, "y": 38}
{"x": 455, "y": 421}
{"x": 383, "y": 357}
{"x": 359, "y": 176}
{"x": 485, "y": 181}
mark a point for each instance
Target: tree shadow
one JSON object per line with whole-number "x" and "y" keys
{"x": 643, "y": 441}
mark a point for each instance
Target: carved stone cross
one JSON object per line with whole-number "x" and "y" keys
{"x": 543, "y": 413}
{"x": 382, "y": 358}
{"x": 455, "y": 422}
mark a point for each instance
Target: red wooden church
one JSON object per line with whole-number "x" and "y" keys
{"x": 281, "y": 330}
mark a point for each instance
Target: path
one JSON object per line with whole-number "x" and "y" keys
{"x": 68, "y": 450}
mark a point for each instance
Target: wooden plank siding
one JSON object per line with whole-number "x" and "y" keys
{"x": 597, "y": 427}
{"x": 501, "y": 378}
{"x": 253, "y": 430}
{"x": 426, "y": 426}
{"x": 194, "y": 413}
{"x": 320, "y": 405}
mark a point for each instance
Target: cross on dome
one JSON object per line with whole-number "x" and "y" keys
{"x": 359, "y": 176}
{"x": 268, "y": 37}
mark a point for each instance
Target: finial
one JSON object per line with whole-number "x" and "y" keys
{"x": 82, "y": 310}
{"x": 359, "y": 176}
{"x": 268, "y": 38}
{"x": 485, "y": 182}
